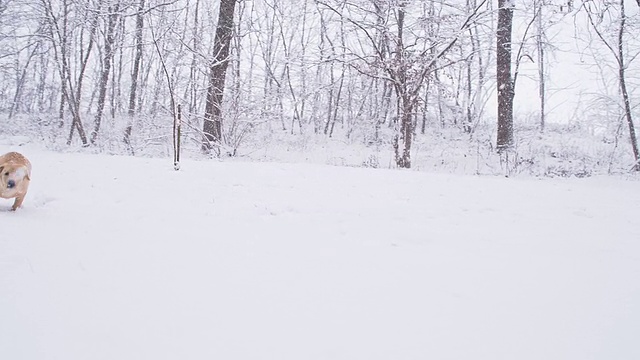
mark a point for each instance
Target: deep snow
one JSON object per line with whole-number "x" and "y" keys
{"x": 123, "y": 258}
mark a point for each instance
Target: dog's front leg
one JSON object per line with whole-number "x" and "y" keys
{"x": 18, "y": 202}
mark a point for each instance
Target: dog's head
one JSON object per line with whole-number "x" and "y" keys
{"x": 11, "y": 178}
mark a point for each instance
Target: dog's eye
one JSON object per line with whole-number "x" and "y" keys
{"x": 6, "y": 174}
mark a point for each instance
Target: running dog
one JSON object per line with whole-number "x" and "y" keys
{"x": 15, "y": 175}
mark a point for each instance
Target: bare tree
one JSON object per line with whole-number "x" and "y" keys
{"x": 474, "y": 92}
{"x": 212, "y": 127}
{"x": 135, "y": 74}
{"x": 287, "y": 31}
{"x": 617, "y": 49}
{"x": 109, "y": 40}
{"x": 192, "y": 89}
{"x": 20, "y": 82}
{"x": 405, "y": 67}
{"x": 539, "y": 6}
{"x": 269, "y": 43}
{"x": 335, "y": 86}
{"x": 504, "y": 80}
{"x": 60, "y": 35}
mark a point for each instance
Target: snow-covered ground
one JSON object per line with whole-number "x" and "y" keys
{"x": 124, "y": 258}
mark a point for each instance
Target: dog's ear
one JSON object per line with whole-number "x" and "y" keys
{"x": 27, "y": 173}
{"x": 1, "y": 168}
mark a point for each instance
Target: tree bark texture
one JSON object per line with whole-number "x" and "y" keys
{"x": 212, "y": 127}
{"x": 504, "y": 80}
{"x": 405, "y": 108}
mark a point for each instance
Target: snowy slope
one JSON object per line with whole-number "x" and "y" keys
{"x": 123, "y": 258}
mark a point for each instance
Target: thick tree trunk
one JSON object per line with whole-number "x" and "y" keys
{"x": 212, "y": 127}
{"x": 403, "y": 154}
{"x": 504, "y": 81}
{"x": 405, "y": 104}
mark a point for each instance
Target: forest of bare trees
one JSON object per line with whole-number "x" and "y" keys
{"x": 397, "y": 76}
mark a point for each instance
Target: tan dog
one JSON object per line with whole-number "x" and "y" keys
{"x": 15, "y": 175}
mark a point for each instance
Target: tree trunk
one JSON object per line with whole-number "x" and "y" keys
{"x": 405, "y": 104}
{"x": 541, "y": 69}
{"x": 331, "y": 90}
{"x": 135, "y": 75}
{"x": 60, "y": 42}
{"x": 212, "y": 127}
{"x": 504, "y": 81}
{"x": 193, "y": 71}
{"x": 403, "y": 160}
{"x": 74, "y": 102}
{"x": 17, "y": 99}
{"x": 42, "y": 84}
{"x": 104, "y": 78}
{"x": 623, "y": 88}
{"x": 117, "y": 71}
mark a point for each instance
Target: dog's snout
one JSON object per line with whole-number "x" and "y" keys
{"x": 11, "y": 184}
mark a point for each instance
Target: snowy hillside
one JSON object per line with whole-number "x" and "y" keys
{"x": 123, "y": 258}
